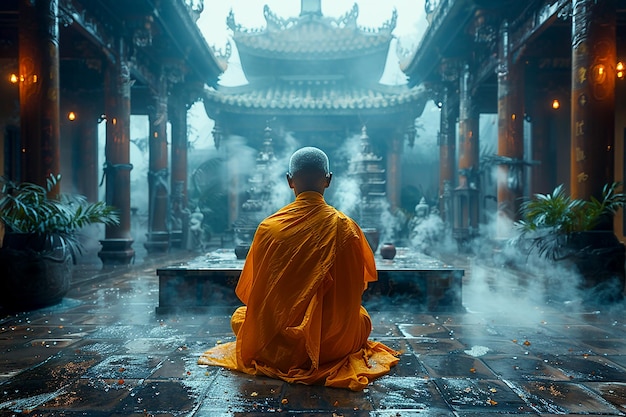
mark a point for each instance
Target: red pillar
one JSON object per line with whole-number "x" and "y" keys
{"x": 158, "y": 239}
{"x": 465, "y": 196}
{"x": 116, "y": 247}
{"x": 180, "y": 214}
{"x": 593, "y": 97}
{"x": 510, "y": 137}
{"x": 39, "y": 89}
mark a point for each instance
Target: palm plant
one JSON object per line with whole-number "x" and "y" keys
{"x": 548, "y": 219}
{"x": 26, "y": 208}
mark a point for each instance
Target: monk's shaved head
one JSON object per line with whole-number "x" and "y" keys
{"x": 309, "y": 159}
{"x": 309, "y": 170}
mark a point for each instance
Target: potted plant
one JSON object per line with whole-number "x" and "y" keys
{"x": 562, "y": 229}
{"x": 39, "y": 243}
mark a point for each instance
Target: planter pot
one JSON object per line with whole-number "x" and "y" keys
{"x": 29, "y": 278}
{"x": 599, "y": 257}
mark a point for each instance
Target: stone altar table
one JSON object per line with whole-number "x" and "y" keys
{"x": 411, "y": 279}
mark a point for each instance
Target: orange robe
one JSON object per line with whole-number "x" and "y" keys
{"x": 302, "y": 284}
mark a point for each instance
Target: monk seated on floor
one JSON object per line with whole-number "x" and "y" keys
{"x": 301, "y": 284}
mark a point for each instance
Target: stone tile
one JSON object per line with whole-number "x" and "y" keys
{"x": 613, "y": 392}
{"x": 566, "y": 398}
{"x": 430, "y": 329}
{"x": 91, "y": 396}
{"x": 406, "y": 393}
{"x": 481, "y": 396}
{"x": 434, "y": 345}
{"x": 586, "y": 367}
{"x": 524, "y": 367}
{"x": 320, "y": 399}
{"x": 240, "y": 392}
{"x": 605, "y": 346}
{"x": 456, "y": 365}
{"x": 409, "y": 366}
{"x": 155, "y": 397}
{"x": 125, "y": 367}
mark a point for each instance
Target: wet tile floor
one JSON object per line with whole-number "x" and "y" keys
{"x": 105, "y": 352}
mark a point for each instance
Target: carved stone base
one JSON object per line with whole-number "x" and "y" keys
{"x": 116, "y": 252}
{"x": 157, "y": 242}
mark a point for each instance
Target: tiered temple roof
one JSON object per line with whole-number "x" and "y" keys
{"x": 311, "y": 37}
{"x": 312, "y": 65}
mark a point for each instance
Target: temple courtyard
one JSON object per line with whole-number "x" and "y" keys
{"x": 107, "y": 351}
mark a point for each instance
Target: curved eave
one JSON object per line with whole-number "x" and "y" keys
{"x": 239, "y": 100}
{"x": 447, "y": 25}
{"x": 206, "y": 67}
{"x": 328, "y": 48}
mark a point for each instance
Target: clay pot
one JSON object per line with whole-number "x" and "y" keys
{"x": 241, "y": 251}
{"x": 388, "y": 250}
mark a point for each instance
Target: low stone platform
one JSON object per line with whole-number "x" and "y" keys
{"x": 413, "y": 279}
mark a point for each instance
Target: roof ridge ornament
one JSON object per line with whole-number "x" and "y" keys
{"x": 310, "y": 8}
{"x": 311, "y": 11}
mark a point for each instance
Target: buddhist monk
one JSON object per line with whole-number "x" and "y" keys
{"x": 302, "y": 284}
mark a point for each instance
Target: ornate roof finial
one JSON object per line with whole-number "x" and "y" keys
{"x": 365, "y": 141}
{"x": 311, "y": 7}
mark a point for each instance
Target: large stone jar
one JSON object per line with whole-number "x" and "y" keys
{"x": 34, "y": 273}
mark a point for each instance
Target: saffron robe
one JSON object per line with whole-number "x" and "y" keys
{"x": 302, "y": 284}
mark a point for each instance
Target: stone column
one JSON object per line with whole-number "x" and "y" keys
{"x": 158, "y": 239}
{"x": 117, "y": 245}
{"x": 510, "y": 136}
{"x": 593, "y": 97}
{"x": 179, "y": 185}
{"x": 39, "y": 90}
{"x": 465, "y": 195}
{"x": 447, "y": 156}
{"x": 394, "y": 170}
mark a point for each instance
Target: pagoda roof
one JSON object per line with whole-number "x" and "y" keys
{"x": 311, "y": 36}
{"x": 298, "y": 97}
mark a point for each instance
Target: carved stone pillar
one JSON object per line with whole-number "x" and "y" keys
{"x": 158, "y": 239}
{"x": 179, "y": 209}
{"x": 394, "y": 170}
{"x": 465, "y": 195}
{"x": 447, "y": 155}
{"x": 117, "y": 245}
{"x": 39, "y": 89}
{"x": 593, "y": 97}
{"x": 510, "y": 136}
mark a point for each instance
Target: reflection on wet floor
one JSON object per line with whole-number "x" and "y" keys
{"x": 105, "y": 352}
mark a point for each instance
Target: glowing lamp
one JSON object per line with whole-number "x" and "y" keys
{"x": 619, "y": 70}
{"x": 71, "y": 116}
{"x": 13, "y": 78}
{"x": 599, "y": 73}
{"x": 556, "y": 104}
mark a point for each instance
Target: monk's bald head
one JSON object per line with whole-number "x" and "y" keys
{"x": 309, "y": 170}
{"x": 308, "y": 159}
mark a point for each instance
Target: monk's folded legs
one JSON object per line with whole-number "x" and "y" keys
{"x": 237, "y": 319}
